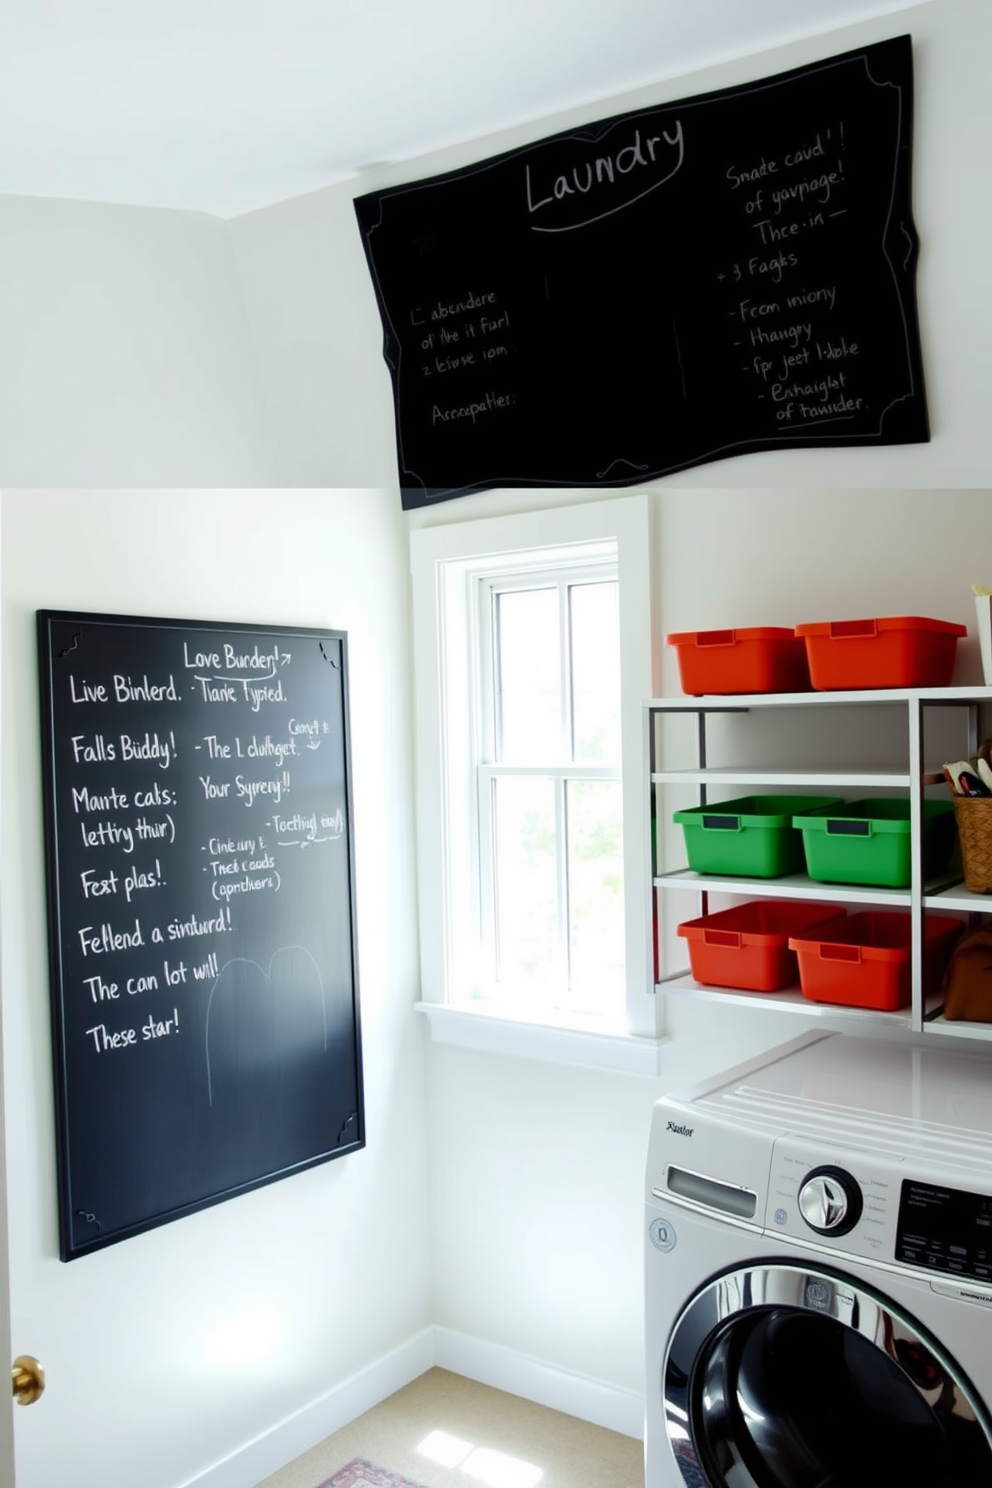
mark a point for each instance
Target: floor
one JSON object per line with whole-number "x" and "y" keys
{"x": 564, "y": 1451}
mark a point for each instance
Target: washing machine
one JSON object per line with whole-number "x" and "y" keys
{"x": 819, "y": 1271}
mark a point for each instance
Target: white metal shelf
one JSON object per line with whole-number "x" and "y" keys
{"x": 941, "y": 893}
{"x": 790, "y": 999}
{"x": 958, "y": 1028}
{"x": 956, "y": 896}
{"x": 806, "y": 777}
{"x": 789, "y": 886}
{"x": 945, "y": 895}
{"x": 715, "y": 702}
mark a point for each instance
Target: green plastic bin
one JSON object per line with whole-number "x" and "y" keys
{"x": 868, "y": 841}
{"x": 752, "y": 836}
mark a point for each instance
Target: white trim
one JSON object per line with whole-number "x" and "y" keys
{"x": 441, "y": 557}
{"x": 546, "y": 1384}
{"x": 492, "y": 1364}
{"x": 290, "y": 1438}
{"x": 551, "y": 772}
{"x": 469, "y": 1028}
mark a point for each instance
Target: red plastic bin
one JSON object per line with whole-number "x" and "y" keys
{"x": 764, "y": 658}
{"x": 894, "y": 651}
{"x": 864, "y": 960}
{"x": 748, "y": 946}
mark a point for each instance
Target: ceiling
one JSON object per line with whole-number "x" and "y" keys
{"x": 228, "y": 105}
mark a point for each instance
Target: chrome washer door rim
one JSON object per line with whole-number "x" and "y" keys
{"x": 789, "y": 1287}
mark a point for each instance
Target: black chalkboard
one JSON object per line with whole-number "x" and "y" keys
{"x": 729, "y": 273}
{"x": 201, "y": 913}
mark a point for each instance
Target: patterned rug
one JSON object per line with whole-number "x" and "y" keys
{"x": 361, "y": 1474}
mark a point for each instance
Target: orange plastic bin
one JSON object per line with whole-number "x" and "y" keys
{"x": 748, "y": 946}
{"x": 864, "y": 960}
{"x": 768, "y": 658}
{"x": 894, "y": 651}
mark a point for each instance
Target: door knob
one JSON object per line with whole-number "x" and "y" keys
{"x": 28, "y": 1379}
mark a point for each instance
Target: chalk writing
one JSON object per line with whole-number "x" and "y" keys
{"x": 300, "y": 831}
{"x": 462, "y": 346}
{"x": 786, "y": 200}
{"x": 107, "y": 1041}
{"x": 650, "y": 159}
{"x": 472, "y": 411}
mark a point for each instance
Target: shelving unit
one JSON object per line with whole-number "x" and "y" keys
{"x": 954, "y": 713}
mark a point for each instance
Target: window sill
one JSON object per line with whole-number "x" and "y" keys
{"x": 470, "y": 1028}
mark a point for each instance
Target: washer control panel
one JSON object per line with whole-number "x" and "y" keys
{"x": 947, "y": 1230}
{"x": 848, "y": 1201}
{"x": 865, "y": 1204}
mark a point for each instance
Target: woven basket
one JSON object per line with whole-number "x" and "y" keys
{"x": 974, "y": 817}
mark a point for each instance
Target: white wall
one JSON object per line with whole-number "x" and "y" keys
{"x": 755, "y": 557}
{"x": 332, "y": 1264}
{"x": 126, "y": 353}
{"x": 319, "y": 337}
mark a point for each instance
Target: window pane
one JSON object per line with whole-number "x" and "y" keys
{"x": 529, "y": 676}
{"x": 527, "y": 946}
{"x": 595, "y": 672}
{"x": 595, "y": 884}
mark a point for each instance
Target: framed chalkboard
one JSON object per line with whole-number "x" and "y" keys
{"x": 729, "y": 273}
{"x": 206, "y": 1031}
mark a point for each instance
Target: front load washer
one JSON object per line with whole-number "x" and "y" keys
{"x": 819, "y": 1271}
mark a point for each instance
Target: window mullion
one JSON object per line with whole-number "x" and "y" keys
{"x": 488, "y": 692}
{"x": 488, "y": 749}
{"x": 565, "y": 663}
{"x": 564, "y": 917}
{"x": 551, "y": 772}
{"x": 488, "y": 906}
{"x": 561, "y": 787}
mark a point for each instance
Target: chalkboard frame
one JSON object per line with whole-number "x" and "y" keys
{"x": 70, "y": 1246}
{"x": 402, "y": 225}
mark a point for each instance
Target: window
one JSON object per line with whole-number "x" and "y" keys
{"x": 532, "y": 657}
{"x": 550, "y": 811}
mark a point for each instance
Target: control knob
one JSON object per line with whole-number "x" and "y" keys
{"x": 830, "y": 1201}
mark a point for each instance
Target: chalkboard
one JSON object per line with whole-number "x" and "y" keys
{"x": 728, "y": 273}
{"x": 201, "y": 913}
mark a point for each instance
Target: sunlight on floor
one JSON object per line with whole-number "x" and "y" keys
{"x": 449, "y": 1451}
{"x": 485, "y": 1464}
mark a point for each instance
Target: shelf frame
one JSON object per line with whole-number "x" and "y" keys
{"x": 945, "y": 895}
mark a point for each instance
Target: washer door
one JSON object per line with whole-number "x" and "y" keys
{"x": 778, "y": 1376}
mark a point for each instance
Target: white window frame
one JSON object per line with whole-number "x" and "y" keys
{"x": 446, "y": 563}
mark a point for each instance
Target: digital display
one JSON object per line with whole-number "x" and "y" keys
{"x": 945, "y": 1229}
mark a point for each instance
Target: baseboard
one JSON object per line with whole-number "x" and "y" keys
{"x": 546, "y": 1384}
{"x": 475, "y": 1358}
{"x": 296, "y": 1434}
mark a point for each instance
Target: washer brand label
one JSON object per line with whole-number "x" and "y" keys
{"x": 680, "y": 1131}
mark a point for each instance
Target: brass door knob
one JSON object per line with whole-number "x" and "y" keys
{"x": 28, "y": 1379}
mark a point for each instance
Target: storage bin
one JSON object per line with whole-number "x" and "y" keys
{"x": 864, "y": 959}
{"x": 748, "y": 946}
{"x": 974, "y": 819}
{"x": 868, "y": 841}
{"x": 895, "y": 651}
{"x": 757, "y": 659}
{"x": 754, "y": 836}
